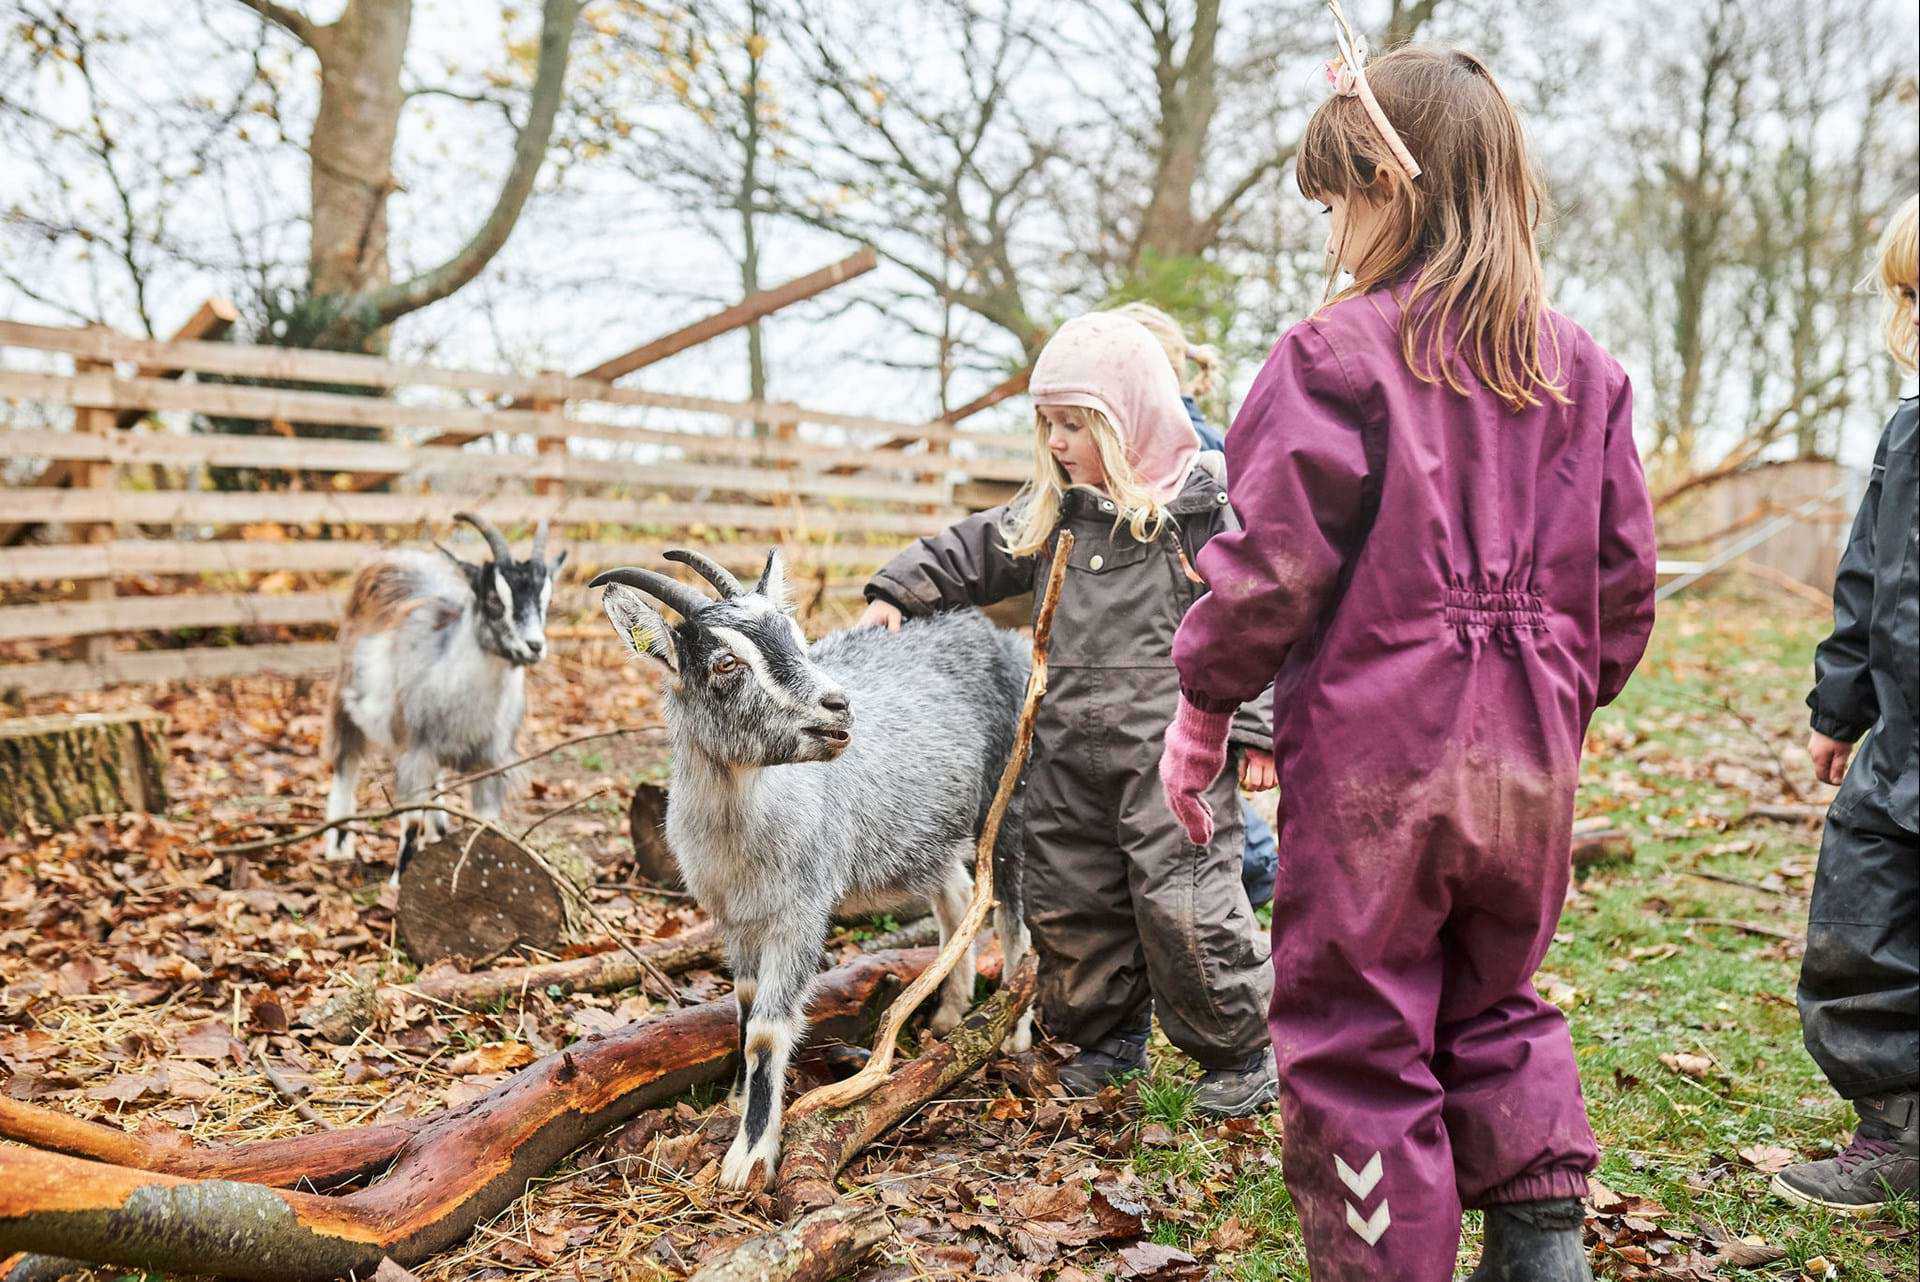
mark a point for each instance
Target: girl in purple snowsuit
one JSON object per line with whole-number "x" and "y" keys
{"x": 1447, "y": 558}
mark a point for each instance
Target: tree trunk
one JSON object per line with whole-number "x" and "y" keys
{"x": 458, "y": 1168}
{"x": 351, "y": 150}
{"x": 55, "y": 769}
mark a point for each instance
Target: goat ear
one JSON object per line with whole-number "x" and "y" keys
{"x": 467, "y": 568}
{"x": 773, "y": 582}
{"x": 553, "y": 566}
{"x": 637, "y": 623}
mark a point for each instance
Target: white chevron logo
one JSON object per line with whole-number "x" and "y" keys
{"x": 1369, "y": 1230}
{"x": 1362, "y": 1184}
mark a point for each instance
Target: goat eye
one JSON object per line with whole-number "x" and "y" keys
{"x": 725, "y": 665}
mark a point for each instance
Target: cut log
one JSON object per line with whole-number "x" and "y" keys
{"x": 1597, "y": 841}
{"x": 475, "y": 894}
{"x": 647, "y": 821}
{"x": 55, "y": 769}
{"x": 460, "y": 1167}
{"x": 817, "y": 1248}
{"x": 819, "y": 1144}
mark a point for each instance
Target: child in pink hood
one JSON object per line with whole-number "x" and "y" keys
{"x": 1128, "y": 916}
{"x": 1448, "y": 562}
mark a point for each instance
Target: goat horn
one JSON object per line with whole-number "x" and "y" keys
{"x": 709, "y": 569}
{"x": 676, "y": 595}
{"x": 495, "y": 540}
{"x": 540, "y": 540}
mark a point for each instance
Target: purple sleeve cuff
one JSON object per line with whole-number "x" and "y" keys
{"x": 1207, "y": 703}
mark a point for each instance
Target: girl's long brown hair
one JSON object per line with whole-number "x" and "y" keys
{"x": 1466, "y": 227}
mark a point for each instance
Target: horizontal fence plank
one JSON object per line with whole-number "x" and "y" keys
{"x": 215, "y": 449}
{"x": 168, "y": 613}
{"x": 210, "y": 663}
{"x": 173, "y": 507}
{"x": 126, "y": 558}
{"x": 299, "y": 365}
{"x": 272, "y": 405}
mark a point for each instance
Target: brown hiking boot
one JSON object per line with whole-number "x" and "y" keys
{"x": 1883, "y": 1161}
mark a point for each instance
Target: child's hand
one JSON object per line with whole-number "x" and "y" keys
{"x": 1194, "y": 755}
{"x": 1256, "y": 771}
{"x": 881, "y": 614}
{"x": 1829, "y": 757}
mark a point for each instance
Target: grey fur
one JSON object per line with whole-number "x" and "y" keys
{"x": 433, "y": 659}
{"x": 778, "y": 821}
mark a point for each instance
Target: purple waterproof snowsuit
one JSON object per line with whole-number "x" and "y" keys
{"x": 1447, "y": 590}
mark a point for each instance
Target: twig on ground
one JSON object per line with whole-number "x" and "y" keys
{"x": 569, "y": 807}
{"x": 462, "y": 781}
{"x": 1749, "y": 927}
{"x": 281, "y": 1086}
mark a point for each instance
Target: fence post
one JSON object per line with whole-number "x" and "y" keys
{"x": 547, "y": 445}
{"x": 98, "y": 475}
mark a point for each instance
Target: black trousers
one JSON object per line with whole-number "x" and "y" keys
{"x": 1860, "y": 980}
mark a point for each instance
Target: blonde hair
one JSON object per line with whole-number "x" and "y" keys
{"x": 1034, "y": 513}
{"x": 1468, "y": 222}
{"x": 1203, "y": 357}
{"x": 1900, "y": 280}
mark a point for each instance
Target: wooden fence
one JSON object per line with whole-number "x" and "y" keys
{"x": 135, "y": 549}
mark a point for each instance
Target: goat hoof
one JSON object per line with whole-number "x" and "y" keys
{"x": 1020, "y": 1040}
{"x": 341, "y": 851}
{"x": 945, "y": 1019}
{"x": 746, "y": 1170}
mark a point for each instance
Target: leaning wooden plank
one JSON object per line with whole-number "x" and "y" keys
{"x": 460, "y": 1168}
{"x": 55, "y": 769}
{"x": 1002, "y": 391}
{"x": 216, "y": 449}
{"x": 315, "y": 508}
{"x": 148, "y": 667}
{"x": 130, "y": 557}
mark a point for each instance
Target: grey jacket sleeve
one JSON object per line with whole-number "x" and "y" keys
{"x": 967, "y": 564}
{"x": 1843, "y": 702}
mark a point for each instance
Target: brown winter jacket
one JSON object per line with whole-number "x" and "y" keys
{"x": 1123, "y": 599}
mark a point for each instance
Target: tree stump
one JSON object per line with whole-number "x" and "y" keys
{"x": 477, "y": 895}
{"x": 55, "y": 769}
{"x": 647, "y": 821}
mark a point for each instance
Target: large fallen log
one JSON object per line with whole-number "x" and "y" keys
{"x": 819, "y": 1144}
{"x": 460, "y": 1167}
{"x": 817, "y": 1248}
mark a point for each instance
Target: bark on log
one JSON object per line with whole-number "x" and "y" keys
{"x": 818, "y": 1248}
{"x": 460, "y": 1167}
{"x": 55, "y": 769}
{"x": 819, "y": 1144}
{"x": 474, "y": 894}
{"x": 596, "y": 973}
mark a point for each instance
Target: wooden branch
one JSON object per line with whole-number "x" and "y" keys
{"x": 596, "y": 973}
{"x": 818, "y": 1248}
{"x": 741, "y": 314}
{"x": 458, "y": 1168}
{"x": 820, "y": 1145}
{"x": 839, "y": 1094}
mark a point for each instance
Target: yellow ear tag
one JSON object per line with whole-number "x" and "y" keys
{"x": 642, "y": 637}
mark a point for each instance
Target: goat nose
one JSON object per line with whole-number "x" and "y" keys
{"x": 835, "y": 703}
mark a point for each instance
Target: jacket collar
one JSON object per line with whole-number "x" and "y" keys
{"x": 1199, "y": 493}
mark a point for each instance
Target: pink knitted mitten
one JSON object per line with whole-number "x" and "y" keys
{"x": 1195, "y": 753}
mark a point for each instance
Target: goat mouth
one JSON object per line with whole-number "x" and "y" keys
{"x": 832, "y": 736}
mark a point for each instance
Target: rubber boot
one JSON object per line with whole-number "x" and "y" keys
{"x": 1534, "y": 1242}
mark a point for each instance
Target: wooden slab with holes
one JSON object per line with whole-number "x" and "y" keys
{"x": 477, "y": 895}
{"x": 55, "y": 769}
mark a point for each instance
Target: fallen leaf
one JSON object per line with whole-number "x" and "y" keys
{"x": 1687, "y": 1063}
{"x": 492, "y": 1058}
{"x": 1769, "y": 1157}
{"x": 1158, "y": 1263}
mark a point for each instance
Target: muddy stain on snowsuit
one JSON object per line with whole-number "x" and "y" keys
{"x": 1446, "y": 590}
{"x": 1124, "y": 910}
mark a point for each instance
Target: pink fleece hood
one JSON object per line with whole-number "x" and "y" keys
{"x": 1113, "y": 364}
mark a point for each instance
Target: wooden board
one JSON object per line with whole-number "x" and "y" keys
{"x": 210, "y": 663}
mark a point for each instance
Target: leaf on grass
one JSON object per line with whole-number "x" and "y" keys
{"x": 1156, "y": 1135}
{"x": 1687, "y": 1063}
{"x": 1157, "y": 1263}
{"x": 1769, "y": 1157}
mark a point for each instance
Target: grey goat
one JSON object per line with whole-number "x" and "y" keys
{"x": 783, "y": 808}
{"x": 433, "y": 659}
